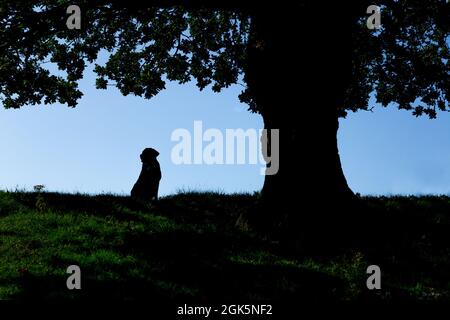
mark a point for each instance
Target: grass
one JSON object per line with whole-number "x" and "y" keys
{"x": 200, "y": 247}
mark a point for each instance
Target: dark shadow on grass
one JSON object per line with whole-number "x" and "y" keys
{"x": 230, "y": 283}
{"x": 121, "y": 207}
{"x": 187, "y": 266}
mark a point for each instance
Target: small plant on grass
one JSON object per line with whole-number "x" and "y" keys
{"x": 352, "y": 269}
{"x": 40, "y": 201}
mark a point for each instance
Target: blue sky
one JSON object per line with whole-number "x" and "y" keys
{"x": 389, "y": 151}
{"x": 95, "y": 147}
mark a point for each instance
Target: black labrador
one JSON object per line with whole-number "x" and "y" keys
{"x": 147, "y": 185}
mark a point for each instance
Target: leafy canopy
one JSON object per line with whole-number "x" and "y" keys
{"x": 405, "y": 63}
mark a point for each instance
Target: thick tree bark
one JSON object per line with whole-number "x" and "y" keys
{"x": 297, "y": 73}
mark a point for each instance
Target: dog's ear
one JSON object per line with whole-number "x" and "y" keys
{"x": 154, "y": 152}
{"x": 149, "y": 154}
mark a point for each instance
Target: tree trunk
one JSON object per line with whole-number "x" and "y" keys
{"x": 297, "y": 73}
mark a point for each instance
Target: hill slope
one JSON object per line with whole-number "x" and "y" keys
{"x": 199, "y": 246}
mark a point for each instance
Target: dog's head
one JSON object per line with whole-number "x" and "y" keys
{"x": 149, "y": 154}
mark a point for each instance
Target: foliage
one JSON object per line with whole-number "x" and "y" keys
{"x": 147, "y": 47}
{"x": 406, "y": 62}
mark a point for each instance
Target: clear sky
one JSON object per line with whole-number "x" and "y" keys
{"x": 95, "y": 147}
{"x": 389, "y": 151}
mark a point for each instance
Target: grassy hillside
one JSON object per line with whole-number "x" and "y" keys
{"x": 200, "y": 246}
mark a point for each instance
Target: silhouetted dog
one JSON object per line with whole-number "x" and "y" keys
{"x": 146, "y": 187}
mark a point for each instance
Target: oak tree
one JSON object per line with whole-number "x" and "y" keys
{"x": 303, "y": 64}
